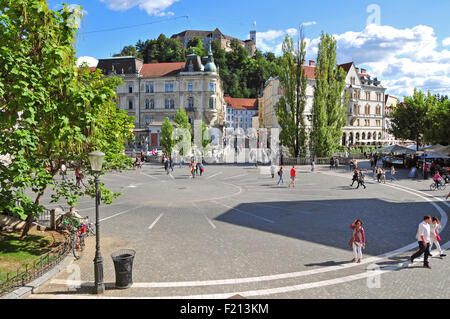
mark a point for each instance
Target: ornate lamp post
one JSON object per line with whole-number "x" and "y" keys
{"x": 96, "y": 160}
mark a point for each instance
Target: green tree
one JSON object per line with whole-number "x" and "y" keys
{"x": 161, "y": 50}
{"x": 195, "y": 46}
{"x": 291, "y": 106}
{"x": 129, "y": 50}
{"x": 167, "y": 141}
{"x": 51, "y": 112}
{"x": 438, "y": 128}
{"x": 411, "y": 120}
{"x": 183, "y": 133}
{"x": 329, "y": 104}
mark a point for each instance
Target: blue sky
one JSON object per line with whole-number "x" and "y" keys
{"x": 407, "y": 46}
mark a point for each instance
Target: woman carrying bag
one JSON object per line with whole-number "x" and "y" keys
{"x": 358, "y": 241}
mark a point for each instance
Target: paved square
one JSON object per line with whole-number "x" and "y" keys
{"x": 235, "y": 231}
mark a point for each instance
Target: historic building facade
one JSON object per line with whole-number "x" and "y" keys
{"x": 216, "y": 35}
{"x": 240, "y": 112}
{"x": 153, "y": 92}
{"x": 365, "y": 108}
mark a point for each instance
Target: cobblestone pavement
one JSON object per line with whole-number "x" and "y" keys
{"x": 235, "y": 231}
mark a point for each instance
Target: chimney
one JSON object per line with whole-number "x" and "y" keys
{"x": 363, "y": 71}
{"x": 357, "y": 70}
{"x": 312, "y": 63}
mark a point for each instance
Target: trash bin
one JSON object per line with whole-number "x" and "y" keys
{"x": 123, "y": 265}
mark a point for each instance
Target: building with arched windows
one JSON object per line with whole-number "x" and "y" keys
{"x": 365, "y": 109}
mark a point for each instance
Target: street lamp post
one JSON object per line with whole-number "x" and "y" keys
{"x": 96, "y": 160}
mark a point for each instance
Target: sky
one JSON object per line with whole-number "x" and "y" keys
{"x": 404, "y": 43}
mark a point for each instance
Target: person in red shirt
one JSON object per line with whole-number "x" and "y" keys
{"x": 293, "y": 175}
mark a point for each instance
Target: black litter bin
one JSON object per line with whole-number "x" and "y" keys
{"x": 123, "y": 265}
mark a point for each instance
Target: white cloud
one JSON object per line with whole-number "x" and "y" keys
{"x": 272, "y": 40}
{"x": 307, "y": 24}
{"x": 91, "y": 62}
{"x": 446, "y": 42}
{"x": 152, "y": 7}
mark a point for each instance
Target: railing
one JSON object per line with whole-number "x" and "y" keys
{"x": 32, "y": 270}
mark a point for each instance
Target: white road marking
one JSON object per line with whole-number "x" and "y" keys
{"x": 155, "y": 222}
{"x": 204, "y": 215}
{"x": 217, "y": 174}
{"x": 246, "y": 213}
{"x": 118, "y": 214}
{"x": 292, "y": 275}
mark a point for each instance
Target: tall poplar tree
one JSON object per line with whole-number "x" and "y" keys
{"x": 329, "y": 103}
{"x": 291, "y": 106}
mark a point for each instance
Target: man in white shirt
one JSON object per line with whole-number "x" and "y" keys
{"x": 423, "y": 236}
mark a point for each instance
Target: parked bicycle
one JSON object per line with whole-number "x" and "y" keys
{"x": 77, "y": 233}
{"x": 442, "y": 186}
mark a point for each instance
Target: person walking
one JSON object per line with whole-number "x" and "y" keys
{"x": 435, "y": 239}
{"x": 272, "y": 170}
{"x": 336, "y": 163}
{"x": 78, "y": 176}
{"x": 355, "y": 177}
{"x": 358, "y": 241}
{"x": 194, "y": 165}
{"x": 383, "y": 176}
{"x": 379, "y": 173}
{"x": 332, "y": 163}
{"x": 62, "y": 171}
{"x": 423, "y": 238}
{"x": 313, "y": 166}
{"x": 293, "y": 176}
{"x": 361, "y": 178}
{"x": 393, "y": 172}
{"x": 280, "y": 173}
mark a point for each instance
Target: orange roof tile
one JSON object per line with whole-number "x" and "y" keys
{"x": 241, "y": 104}
{"x": 161, "y": 69}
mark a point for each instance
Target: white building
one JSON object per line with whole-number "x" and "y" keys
{"x": 153, "y": 92}
{"x": 240, "y": 112}
{"x": 365, "y": 108}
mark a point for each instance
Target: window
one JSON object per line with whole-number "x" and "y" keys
{"x": 212, "y": 87}
{"x": 358, "y": 123}
{"x": 212, "y": 103}
{"x": 147, "y": 104}
{"x": 190, "y": 87}
{"x": 169, "y": 87}
{"x": 353, "y": 80}
{"x": 149, "y": 120}
{"x": 130, "y": 105}
{"x": 379, "y": 97}
{"x": 152, "y": 104}
{"x": 368, "y": 96}
{"x": 149, "y": 88}
{"x": 130, "y": 89}
{"x": 190, "y": 102}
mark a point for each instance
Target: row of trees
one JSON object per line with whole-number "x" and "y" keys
{"x": 328, "y": 112}
{"x": 51, "y": 112}
{"x": 423, "y": 118}
{"x": 242, "y": 76}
